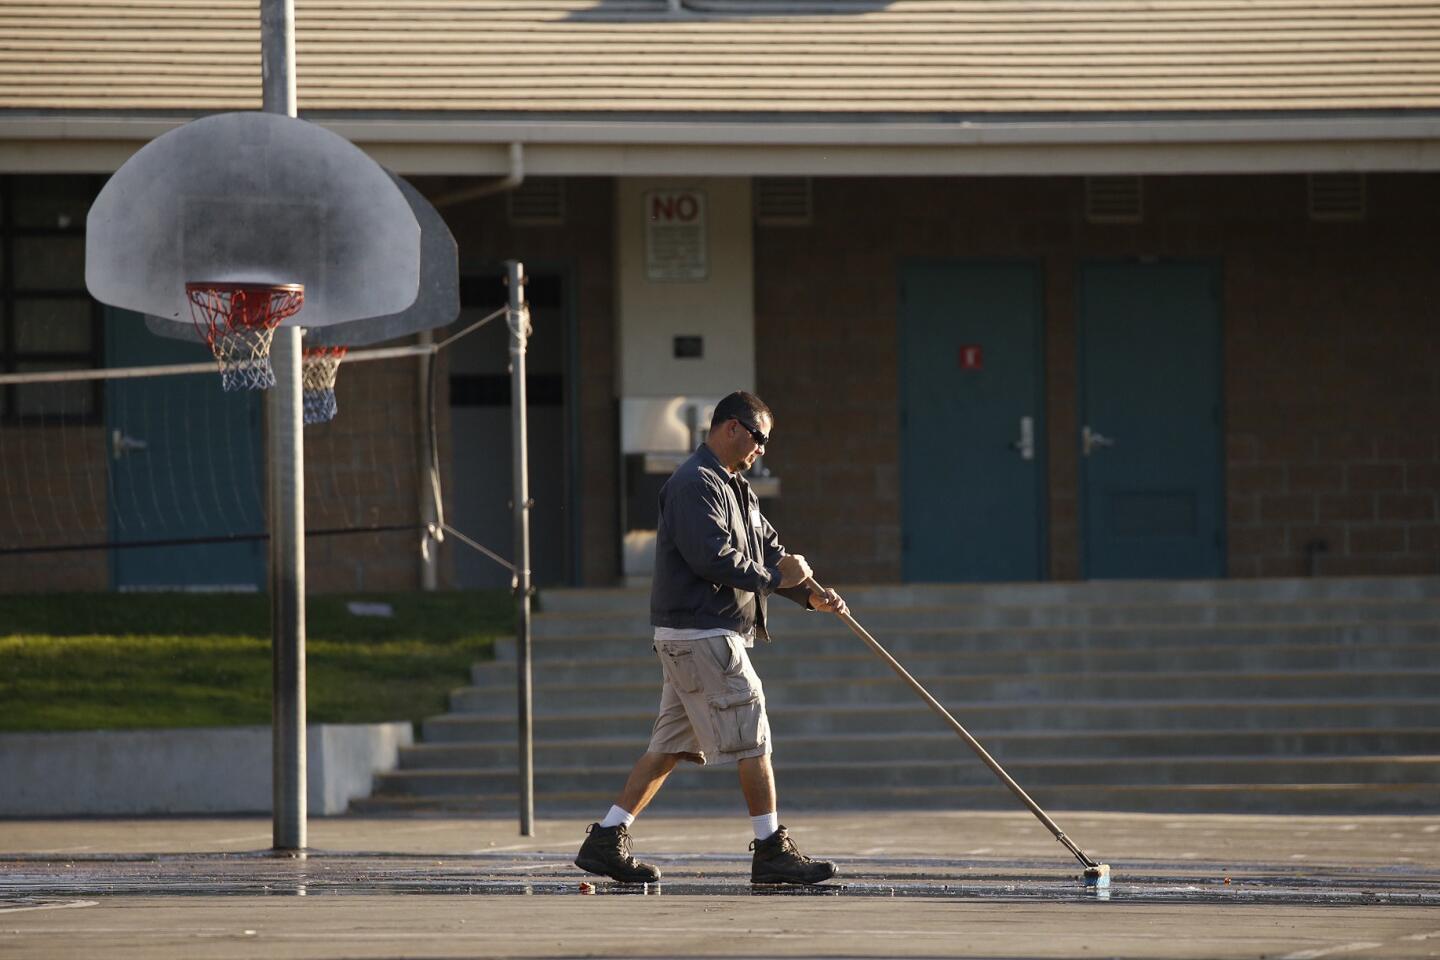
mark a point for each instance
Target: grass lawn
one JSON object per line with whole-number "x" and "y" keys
{"x": 118, "y": 661}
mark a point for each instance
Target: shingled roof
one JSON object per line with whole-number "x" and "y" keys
{"x": 862, "y": 59}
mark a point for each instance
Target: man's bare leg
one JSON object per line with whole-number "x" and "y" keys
{"x": 757, "y": 782}
{"x": 606, "y": 850}
{"x": 645, "y": 780}
{"x": 777, "y": 859}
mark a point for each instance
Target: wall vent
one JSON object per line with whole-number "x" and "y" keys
{"x": 783, "y": 201}
{"x": 538, "y": 202}
{"x": 1114, "y": 199}
{"x": 1337, "y": 196}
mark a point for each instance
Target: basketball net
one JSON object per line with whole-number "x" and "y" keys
{"x": 318, "y": 371}
{"x": 238, "y": 321}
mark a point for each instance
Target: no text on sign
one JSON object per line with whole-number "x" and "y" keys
{"x": 676, "y": 206}
{"x": 675, "y": 247}
{"x": 972, "y": 357}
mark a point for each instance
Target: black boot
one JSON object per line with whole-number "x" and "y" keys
{"x": 778, "y": 860}
{"x": 606, "y": 851}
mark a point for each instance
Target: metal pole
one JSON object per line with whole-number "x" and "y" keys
{"x": 287, "y": 592}
{"x": 519, "y": 321}
{"x": 287, "y": 495}
{"x": 277, "y": 56}
{"x": 429, "y": 515}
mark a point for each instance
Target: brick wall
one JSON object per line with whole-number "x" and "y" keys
{"x": 1333, "y": 384}
{"x": 362, "y": 470}
{"x": 582, "y": 246}
{"x": 52, "y": 492}
{"x": 359, "y": 472}
{"x": 1332, "y": 377}
{"x": 1331, "y": 350}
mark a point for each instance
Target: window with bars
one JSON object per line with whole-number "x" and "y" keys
{"x": 48, "y": 321}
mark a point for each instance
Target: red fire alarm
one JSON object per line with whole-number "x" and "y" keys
{"x": 972, "y": 357}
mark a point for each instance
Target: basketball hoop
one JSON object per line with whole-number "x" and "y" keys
{"x": 317, "y": 372}
{"x": 238, "y": 321}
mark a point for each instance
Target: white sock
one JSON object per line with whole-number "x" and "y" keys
{"x": 766, "y": 824}
{"x": 616, "y": 817}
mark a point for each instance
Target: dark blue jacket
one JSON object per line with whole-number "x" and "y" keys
{"x": 716, "y": 556}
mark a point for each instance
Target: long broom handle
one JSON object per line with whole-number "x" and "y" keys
{"x": 939, "y": 708}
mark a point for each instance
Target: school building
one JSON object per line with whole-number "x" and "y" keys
{"x": 1144, "y": 289}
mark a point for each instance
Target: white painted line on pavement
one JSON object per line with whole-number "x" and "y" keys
{"x": 1330, "y": 951}
{"x": 505, "y": 849}
{"x": 66, "y": 849}
{"x": 51, "y": 906}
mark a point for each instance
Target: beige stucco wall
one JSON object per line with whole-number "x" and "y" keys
{"x": 720, "y": 308}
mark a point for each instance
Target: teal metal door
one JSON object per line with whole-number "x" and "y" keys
{"x": 186, "y": 469}
{"x": 972, "y": 448}
{"x": 1150, "y": 428}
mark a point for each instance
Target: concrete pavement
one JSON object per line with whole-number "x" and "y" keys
{"x": 928, "y": 884}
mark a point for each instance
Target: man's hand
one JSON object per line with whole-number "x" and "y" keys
{"x": 829, "y": 602}
{"x": 793, "y": 571}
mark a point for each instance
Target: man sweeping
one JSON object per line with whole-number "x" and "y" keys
{"x": 717, "y": 559}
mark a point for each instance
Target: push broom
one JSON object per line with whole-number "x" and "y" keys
{"x": 1096, "y": 874}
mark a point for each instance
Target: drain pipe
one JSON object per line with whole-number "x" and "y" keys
{"x": 510, "y": 181}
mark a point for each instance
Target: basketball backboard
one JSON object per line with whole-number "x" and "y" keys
{"x": 256, "y": 198}
{"x": 436, "y": 304}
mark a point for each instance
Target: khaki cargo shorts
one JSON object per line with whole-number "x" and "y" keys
{"x": 712, "y": 709}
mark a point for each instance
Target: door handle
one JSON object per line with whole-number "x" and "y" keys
{"x": 1025, "y": 445}
{"x": 120, "y": 444}
{"x": 1090, "y": 439}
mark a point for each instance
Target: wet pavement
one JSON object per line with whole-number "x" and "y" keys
{"x": 1185, "y": 885}
{"x": 330, "y": 873}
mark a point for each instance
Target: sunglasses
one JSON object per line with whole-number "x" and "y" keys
{"x": 761, "y": 439}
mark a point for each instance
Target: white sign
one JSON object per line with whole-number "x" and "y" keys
{"x": 675, "y": 236}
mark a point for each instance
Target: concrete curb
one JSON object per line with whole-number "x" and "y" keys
{"x": 185, "y": 771}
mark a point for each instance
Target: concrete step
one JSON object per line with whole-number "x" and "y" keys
{"x": 954, "y": 772}
{"x": 785, "y": 619}
{"x": 829, "y": 636}
{"x": 912, "y": 746}
{"x": 776, "y": 662}
{"x": 881, "y": 686}
{"x": 634, "y": 719}
{"x": 1294, "y": 799}
{"x": 1278, "y": 590}
{"x": 1279, "y": 696}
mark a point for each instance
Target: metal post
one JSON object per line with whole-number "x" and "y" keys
{"x": 519, "y": 320}
{"x": 277, "y": 56}
{"x": 287, "y": 495}
{"x": 429, "y": 515}
{"x": 287, "y": 592}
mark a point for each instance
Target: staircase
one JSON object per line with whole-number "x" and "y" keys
{"x": 1282, "y": 696}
